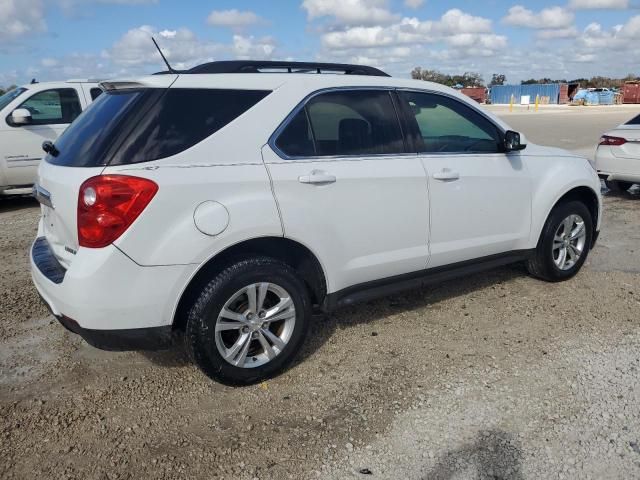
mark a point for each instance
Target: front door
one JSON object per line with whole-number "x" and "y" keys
{"x": 480, "y": 196}
{"x": 51, "y": 113}
{"x": 348, "y": 191}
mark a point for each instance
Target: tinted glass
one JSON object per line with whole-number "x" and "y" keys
{"x": 10, "y": 96}
{"x": 447, "y": 125}
{"x": 132, "y": 126}
{"x": 87, "y": 141}
{"x": 296, "y": 140}
{"x": 52, "y": 107}
{"x": 355, "y": 123}
{"x": 95, "y": 93}
{"x": 634, "y": 121}
{"x": 182, "y": 118}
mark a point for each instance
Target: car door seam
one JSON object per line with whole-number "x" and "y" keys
{"x": 273, "y": 191}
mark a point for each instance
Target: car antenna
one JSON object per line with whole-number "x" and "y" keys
{"x": 171, "y": 70}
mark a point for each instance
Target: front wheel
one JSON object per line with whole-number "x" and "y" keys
{"x": 564, "y": 243}
{"x": 249, "y": 322}
{"x": 618, "y": 186}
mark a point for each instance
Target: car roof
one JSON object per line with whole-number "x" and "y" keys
{"x": 272, "y": 81}
{"x": 58, "y": 84}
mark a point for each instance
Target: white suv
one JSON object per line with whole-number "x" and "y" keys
{"x": 33, "y": 113}
{"x": 231, "y": 202}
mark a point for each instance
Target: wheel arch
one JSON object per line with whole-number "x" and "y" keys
{"x": 295, "y": 254}
{"x": 581, "y": 193}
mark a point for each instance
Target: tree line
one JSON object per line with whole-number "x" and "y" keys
{"x": 474, "y": 79}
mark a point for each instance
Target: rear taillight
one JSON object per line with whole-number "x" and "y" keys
{"x": 612, "y": 141}
{"x": 108, "y": 205}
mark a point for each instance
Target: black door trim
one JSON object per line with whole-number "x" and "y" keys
{"x": 399, "y": 283}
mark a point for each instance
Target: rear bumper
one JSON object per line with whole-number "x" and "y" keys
{"x": 155, "y": 338}
{"x": 109, "y": 300}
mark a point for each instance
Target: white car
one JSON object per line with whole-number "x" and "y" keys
{"x": 618, "y": 156}
{"x": 30, "y": 115}
{"x": 231, "y": 202}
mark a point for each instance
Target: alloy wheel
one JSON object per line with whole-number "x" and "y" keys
{"x": 255, "y": 325}
{"x": 569, "y": 242}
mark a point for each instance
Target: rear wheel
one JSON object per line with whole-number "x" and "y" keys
{"x": 564, "y": 243}
{"x": 249, "y": 322}
{"x": 618, "y": 186}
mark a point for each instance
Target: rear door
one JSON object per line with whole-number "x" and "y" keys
{"x": 347, "y": 189}
{"x": 480, "y": 196}
{"x": 52, "y": 111}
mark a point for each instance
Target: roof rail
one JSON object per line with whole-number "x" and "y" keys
{"x": 84, "y": 80}
{"x": 259, "y": 66}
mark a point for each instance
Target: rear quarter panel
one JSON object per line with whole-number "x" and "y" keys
{"x": 166, "y": 234}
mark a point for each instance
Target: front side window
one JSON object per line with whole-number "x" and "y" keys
{"x": 344, "y": 123}
{"x": 51, "y": 107}
{"x": 10, "y": 96}
{"x": 446, "y": 125}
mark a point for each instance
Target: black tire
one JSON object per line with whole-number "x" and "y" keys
{"x": 203, "y": 315}
{"x": 617, "y": 186}
{"x": 541, "y": 264}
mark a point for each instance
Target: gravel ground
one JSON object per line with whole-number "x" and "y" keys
{"x": 495, "y": 376}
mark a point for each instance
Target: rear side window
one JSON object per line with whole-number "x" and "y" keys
{"x": 133, "y": 126}
{"x": 634, "y": 121}
{"x": 52, "y": 107}
{"x": 357, "y": 122}
{"x": 95, "y": 93}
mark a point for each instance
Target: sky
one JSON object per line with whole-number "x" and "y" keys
{"x": 63, "y": 39}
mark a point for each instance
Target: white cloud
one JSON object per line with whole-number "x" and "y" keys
{"x": 182, "y": 48}
{"x": 548, "y": 34}
{"x": 598, "y": 4}
{"x": 413, "y": 3}
{"x": 135, "y": 54}
{"x": 251, "y": 48}
{"x": 351, "y": 12}
{"x": 454, "y": 27}
{"x": 456, "y": 38}
{"x": 49, "y": 62}
{"x": 233, "y": 18}
{"x": 21, "y": 17}
{"x": 621, "y": 37}
{"x": 547, "y": 18}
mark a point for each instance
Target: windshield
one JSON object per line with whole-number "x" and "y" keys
{"x": 10, "y": 96}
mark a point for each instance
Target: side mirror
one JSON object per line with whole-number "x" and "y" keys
{"x": 512, "y": 142}
{"x": 21, "y": 116}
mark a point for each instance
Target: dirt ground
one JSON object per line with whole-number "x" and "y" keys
{"x": 497, "y": 375}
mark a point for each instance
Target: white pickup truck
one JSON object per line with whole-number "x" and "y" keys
{"x": 31, "y": 114}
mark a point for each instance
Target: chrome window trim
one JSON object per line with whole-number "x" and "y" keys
{"x": 285, "y": 123}
{"x": 274, "y": 136}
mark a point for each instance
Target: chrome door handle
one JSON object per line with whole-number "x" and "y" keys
{"x": 446, "y": 174}
{"x": 317, "y": 177}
